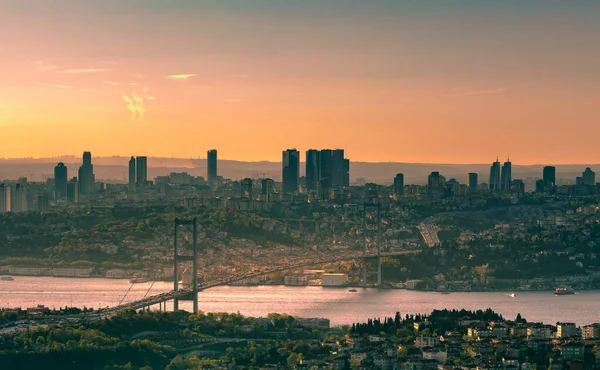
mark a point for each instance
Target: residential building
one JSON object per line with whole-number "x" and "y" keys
{"x": 18, "y": 202}
{"x": 5, "y": 198}
{"x": 566, "y": 330}
{"x": 246, "y": 185}
{"x": 591, "y": 331}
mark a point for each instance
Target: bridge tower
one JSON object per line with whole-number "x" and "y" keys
{"x": 182, "y": 258}
{"x": 372, "y": 227}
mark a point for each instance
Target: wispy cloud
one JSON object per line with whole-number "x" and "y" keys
{"x": 135, "y": 104}
{"x": 111, "y": 83}
{"x": 89, "y": 90}
{"x": 133, "y": 84}
{"x": 482, "y": 92}
{"x": 41, "y": 66}
{"x": 58, "y": 86}
{"x": 151, "y": 98}
{"x": 181, "y": 76}
{"x": 83, "y": 70}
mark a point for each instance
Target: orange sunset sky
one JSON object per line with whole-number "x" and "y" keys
{"x": 458, "y": 81}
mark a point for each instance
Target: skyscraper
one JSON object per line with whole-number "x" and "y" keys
{"x": 60, "y": 181}
{"x": 267, "y": 188}
{"x": 5, "y": 198}
{"x": 211, "y": 164}
{"x": 132, "y": 172}
{"x": 549, "y": 176}
{"x": 73, "y": 191}
{"x": 87, "y": 181}
{"x": 290, "y": 170}
{"x": 246, "y": 185}
{"x": 399, "y": 185}
{"x": 473, "y": 182}
{"x": 141, "y": 171}
{"x": 589, "y": 177}
{"x": 339, "y": 168}
{"x": 435, "y": 183}
{"x": 506, "y": 177}
{"x": 495, "y": 176}
{"x": 19, "y": 199}
{"x": 313, "y": 170}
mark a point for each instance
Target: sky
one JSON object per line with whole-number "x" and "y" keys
{"x": 460, "y": 81}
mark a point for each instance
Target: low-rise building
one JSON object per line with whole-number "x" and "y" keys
{"x": 424, "y": 341}
{"x": 566, "y": 330}
{"x": 591, "y": 331}
{"x": 72, "y": 271}
{"x": 572, "y": 351}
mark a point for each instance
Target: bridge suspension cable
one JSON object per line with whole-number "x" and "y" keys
{"x": 127, "y": 292}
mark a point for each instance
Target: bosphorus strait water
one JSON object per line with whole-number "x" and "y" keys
{"x": 337, "y": 304}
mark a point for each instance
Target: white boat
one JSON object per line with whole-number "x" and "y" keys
{"x": 513, "y": 295}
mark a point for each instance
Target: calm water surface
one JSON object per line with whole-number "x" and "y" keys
{"x": 337, "y": 304}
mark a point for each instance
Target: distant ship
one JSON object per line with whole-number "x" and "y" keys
{"x": 564, "y": 291}
{"x": 138, "y": 280}
{"x": 352, "y": 290}
{"x": 513, "y": 295}
{"x": 7, "y": 278}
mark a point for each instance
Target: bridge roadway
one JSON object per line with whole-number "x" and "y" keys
{"x": 153, "y": 300}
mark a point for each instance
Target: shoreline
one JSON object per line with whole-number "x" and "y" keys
{"x": 349, "y": 286}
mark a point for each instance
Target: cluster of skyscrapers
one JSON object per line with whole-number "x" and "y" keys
{"x": 138, "y": 172}
{"x": 325, "y": 170}
{"x": 500, "y": 175}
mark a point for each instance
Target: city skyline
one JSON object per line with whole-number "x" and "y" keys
{"x": 429, "y": 80}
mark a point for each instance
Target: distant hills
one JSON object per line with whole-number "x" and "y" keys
{"x": 115, "y": 169}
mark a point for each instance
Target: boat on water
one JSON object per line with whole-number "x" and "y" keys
{"x": 513, "y": 295}
{"x": 7, "y": 278}
{"x": 138, "y": 280}
{"x": 352, "y": 290}
{"x": 564, "y": 291}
